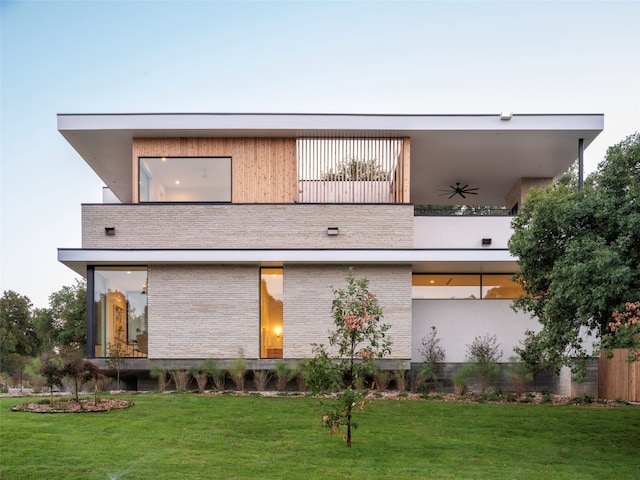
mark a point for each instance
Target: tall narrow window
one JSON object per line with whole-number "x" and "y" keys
{"x": 120, "y": 311}
{"x": 271, "y": 312}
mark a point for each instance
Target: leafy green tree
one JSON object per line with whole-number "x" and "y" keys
{"x": 18, "y": 337}
{"x": 355, "y": 169}
{"x": 359, "y": 337}
{"x": 65, "y": 321}
{"x": 579, "y": 255}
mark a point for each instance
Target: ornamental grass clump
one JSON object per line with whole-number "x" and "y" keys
{"x": 238, "y": 370}
{"x": 180, "y": 378}
{"x": 160, "y": 374}
{"x": 283, "y": 375}
{"x": 261, "y": 379}
{"x": 359, "y": 337}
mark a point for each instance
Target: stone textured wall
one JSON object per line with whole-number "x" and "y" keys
{"x": 203, "y": 311}
{"x": 198, "y": 312}
{"x": 247, "y": 226}
{"x": 308, "y": 297}
{"x": 522, "y": 188}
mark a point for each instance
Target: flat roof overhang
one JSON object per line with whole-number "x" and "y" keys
{"x": 484, "y": 151}
{"x": 422, "y": 261}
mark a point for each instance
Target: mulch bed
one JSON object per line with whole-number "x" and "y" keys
{"x": 71, "y": 406}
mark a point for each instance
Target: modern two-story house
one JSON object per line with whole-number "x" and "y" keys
{"x": 221, "y": 232}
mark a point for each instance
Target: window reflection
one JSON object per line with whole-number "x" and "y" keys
{"x": 500, "y": 286}
{"x": 446, "y": 286}
{"x": 465, "y": 286}
{"x": 120, "y": 311}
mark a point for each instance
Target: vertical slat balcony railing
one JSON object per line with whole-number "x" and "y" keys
{"x": 351, "y": 170}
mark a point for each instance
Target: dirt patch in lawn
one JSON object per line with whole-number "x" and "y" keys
{"x": 71, "y": 406}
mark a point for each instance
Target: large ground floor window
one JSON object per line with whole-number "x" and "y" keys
{"x": 271, "y": 313}
{"x": 465, "y": 286}
{"x": 119, "y": 312}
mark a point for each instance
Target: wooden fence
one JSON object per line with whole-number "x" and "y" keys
{"x": 617, "y": 378}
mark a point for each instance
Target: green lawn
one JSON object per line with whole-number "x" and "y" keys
{"x": 183, "y": 436}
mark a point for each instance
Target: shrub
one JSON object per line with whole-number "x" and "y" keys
{"x": 484, "y": 353}
{"x": 426, "y": 380}
{"x": 517, "y": 373}
{"x": 51, "y": 369}
{"x": 32, "y": 373}
{"x": 624, "y": 331}
{"x": 433, "y": 354}
{"x": 80, "y": 371}
{"x": 532, "y": 352}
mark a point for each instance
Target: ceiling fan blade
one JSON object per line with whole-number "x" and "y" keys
{"x": 461, "y": 194}
{"x": 452, "y": 195}
{"x": 463, "y": 188}
{"x": 471, "y": 193}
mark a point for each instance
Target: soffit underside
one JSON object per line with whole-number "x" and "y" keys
{"x": 482, "y": 152}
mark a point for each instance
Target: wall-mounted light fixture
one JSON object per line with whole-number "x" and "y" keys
{"x": 332, "y": 231}
{"x": 109, "y": 231}
{"x": 486, "y": 241}
{"x": 506, "y": 116}
{"x": 278, "y": 331}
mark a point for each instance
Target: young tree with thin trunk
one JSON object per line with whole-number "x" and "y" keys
{"x": 359, "y": 338}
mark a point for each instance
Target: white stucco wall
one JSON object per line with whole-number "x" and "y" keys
{"x": 461, "y": 231}
{"x": 460, "y": 321}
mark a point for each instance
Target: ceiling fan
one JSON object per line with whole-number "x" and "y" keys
{"x": 458, "y": 190}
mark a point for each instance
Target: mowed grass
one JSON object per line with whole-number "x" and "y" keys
{"x": 189, "y": 436}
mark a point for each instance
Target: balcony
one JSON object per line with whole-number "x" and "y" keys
{"x": 467, "y": 228}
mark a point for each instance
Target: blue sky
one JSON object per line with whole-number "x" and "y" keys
{"x": 320, "y": 57}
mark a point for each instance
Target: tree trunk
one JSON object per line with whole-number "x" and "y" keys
{"x": 349, "y": 427}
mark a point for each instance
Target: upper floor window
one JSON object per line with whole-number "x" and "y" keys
{"x": 184, "y": 179}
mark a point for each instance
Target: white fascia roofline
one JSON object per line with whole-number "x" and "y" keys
{"x": 75, "y": 258}
{"x": 290, "y": 122}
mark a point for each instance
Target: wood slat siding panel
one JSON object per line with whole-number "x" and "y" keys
{"x": 406, "y": 171}
{"x": 617, "y": 378}
{"x": 263, "y": 170}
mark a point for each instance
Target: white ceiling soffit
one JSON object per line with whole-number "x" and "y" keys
{"x": 482, "y": 151}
